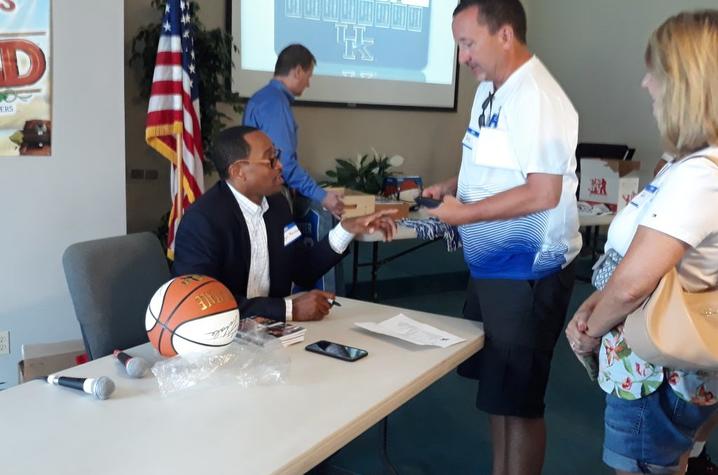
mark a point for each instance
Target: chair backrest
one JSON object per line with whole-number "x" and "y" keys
{"x": 111, "y": 282}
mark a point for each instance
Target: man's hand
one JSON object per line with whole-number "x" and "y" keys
{"x": 314, "y": 305}
{"x": 434, "y": 192}
{"x": 439, "y": 190}
{"x": 333, "y": 202}
{"x": 451, "y": 211}
{"x": 380, "y": 221}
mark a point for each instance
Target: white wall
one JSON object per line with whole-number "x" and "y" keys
{"x": 430, "y": 141}
{"x": 47, "y": 203}
{"x": 595, "y": 50}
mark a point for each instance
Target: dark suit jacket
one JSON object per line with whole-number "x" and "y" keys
{"x": 213, "y": 240}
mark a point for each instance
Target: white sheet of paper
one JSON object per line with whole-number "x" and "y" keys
{"x": 406, "y": 329}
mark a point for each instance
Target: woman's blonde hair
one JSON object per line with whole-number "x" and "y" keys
{"x": 682, "y": 55}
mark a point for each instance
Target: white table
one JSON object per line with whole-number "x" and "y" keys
{"x": 285, "y": 429}
{"x": 404, "y": 232}
{"x": 589, "y": 221}
{"x": 375, "y": 238}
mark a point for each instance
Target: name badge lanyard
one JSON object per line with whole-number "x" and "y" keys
{"x": 488, "y": 102}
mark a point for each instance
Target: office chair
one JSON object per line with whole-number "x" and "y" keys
{"x": 111, "y": 282}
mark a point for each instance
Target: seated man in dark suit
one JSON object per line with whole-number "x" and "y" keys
{"x": 241, "y": 233}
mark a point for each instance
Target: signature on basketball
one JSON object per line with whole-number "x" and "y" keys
{"x": 226, "y": 331}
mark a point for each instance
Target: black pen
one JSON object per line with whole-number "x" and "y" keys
{"x": 335, "y": 303}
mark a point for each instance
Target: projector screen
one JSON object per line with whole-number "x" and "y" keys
{"x": 380, "y": 53}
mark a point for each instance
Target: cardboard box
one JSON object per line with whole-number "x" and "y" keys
{"x": 611, "y": 182}
{"x": 356, "y": 203}
{"x": 43, "y": 359}
{"x": 401, "y": 207}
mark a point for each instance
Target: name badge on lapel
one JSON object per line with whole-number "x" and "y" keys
{"x": 470, "y": 138}
{"x": 291, "y": 234}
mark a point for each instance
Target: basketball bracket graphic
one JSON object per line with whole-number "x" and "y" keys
{"x": 363, "y": 38}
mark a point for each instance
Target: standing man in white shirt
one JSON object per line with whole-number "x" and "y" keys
{"x": 515, "y": 204}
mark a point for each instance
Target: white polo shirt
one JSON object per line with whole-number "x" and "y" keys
{"x": 530, "y": 126}
{"x": 682, "y": 202}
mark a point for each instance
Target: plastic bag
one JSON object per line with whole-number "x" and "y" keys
{"x": 253, "y": 358}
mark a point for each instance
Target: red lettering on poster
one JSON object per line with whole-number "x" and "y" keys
{"x": 9, "y": 71}
{"x": 598, "y": 187}
{"x": 7, "y": 5}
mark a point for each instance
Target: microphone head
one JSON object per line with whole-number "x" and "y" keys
{"x": 103, "y": 387}
{"x": 137, "y": 367}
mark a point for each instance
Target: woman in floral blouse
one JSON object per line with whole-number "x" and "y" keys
{"x": 652, "y": 412}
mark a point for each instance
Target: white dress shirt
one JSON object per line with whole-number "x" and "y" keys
{"x": 258, "y": 280}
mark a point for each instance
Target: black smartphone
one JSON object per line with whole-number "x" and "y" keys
{"x": 336, "y": 350}
{"x": 427, "y": 202}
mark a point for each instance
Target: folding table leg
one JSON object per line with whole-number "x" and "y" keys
{"x": 374, "y": 269}
{"x": 355, "y": 268}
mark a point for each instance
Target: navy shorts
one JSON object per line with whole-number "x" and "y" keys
{"x": 522, "y": 320}
{"x": 649, "y": 435}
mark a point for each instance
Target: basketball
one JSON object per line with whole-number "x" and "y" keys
{"x": 191, "y": 313}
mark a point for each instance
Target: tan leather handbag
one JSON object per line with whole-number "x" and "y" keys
{"x": 675, "y": 328}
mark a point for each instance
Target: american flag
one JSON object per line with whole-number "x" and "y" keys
{"x": 174, "y": 112}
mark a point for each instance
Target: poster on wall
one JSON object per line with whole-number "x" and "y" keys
{"x": 25, "y": 107}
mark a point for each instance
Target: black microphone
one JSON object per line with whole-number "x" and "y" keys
{"x": 135, "y": 366}
{"x": 100, "y": 388}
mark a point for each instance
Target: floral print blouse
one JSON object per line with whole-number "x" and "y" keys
{"x": 626, "y": 375}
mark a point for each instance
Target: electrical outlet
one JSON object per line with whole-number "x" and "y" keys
{"x": 4, "y": 342}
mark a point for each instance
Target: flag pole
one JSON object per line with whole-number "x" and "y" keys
{"x": 180, "y": 200}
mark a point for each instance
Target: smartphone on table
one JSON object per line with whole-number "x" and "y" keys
{"x": 336, "y": 350}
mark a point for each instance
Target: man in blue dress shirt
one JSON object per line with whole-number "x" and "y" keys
{"x": 270, "y": 110}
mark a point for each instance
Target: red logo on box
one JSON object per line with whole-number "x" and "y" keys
{"x": 627, "y": 198}
{"x": 598, "y": 187}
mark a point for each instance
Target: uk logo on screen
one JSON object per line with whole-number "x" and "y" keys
{"x": 368, "y": 38}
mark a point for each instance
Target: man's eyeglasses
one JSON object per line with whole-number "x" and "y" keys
{"x": 488, "y": 102}
{"x": 272, "y": 160}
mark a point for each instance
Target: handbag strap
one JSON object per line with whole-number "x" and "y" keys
{"x": 714, "y": 160}
{"x": 689, "y": 157}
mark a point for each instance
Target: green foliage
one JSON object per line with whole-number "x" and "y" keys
{"x": 366, "y": 174}
{"x": 213, "y": 59}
